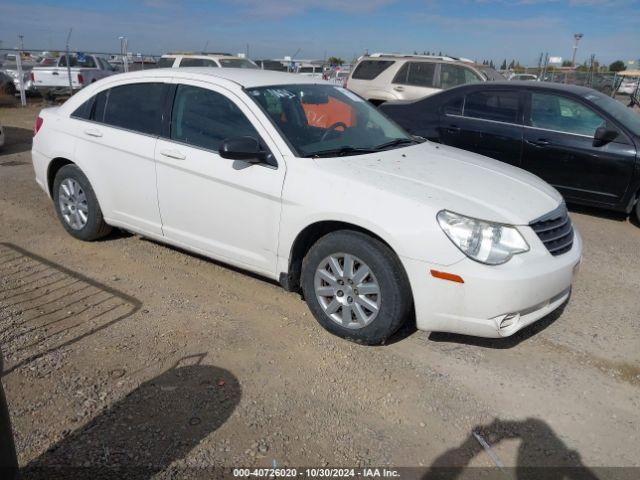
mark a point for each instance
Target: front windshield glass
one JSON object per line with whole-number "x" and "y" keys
{"x": 327, "y": 120}
{"x": 617, "y": 110}
{"x": 237, "y": 63}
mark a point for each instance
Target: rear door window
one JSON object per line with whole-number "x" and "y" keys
{"x": 204, "y": 118}
{"x": 165, "y": 62}
{"x": 370, "y": 69}
{"x": 501, "y": 106}
{"x": 454, "y": 75}
{"x": 197, "y": 62}
{"x": 136, "y": 107}
{"x": 418, "y": 74}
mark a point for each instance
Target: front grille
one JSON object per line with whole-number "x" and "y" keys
{"x": 555, "y": 230}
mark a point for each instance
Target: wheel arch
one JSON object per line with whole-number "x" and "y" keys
{"x": 54, "y": 166}
{"x": 290, "y": 280}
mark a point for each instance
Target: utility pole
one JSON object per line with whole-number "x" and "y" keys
{"x": 577, "y": 37}
{"x": 123, "y": 51}
{"x": 69, "y": 62}
{"x": 23, "y": 100}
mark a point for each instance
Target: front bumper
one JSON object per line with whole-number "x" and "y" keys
{"x": 493, "y": 301}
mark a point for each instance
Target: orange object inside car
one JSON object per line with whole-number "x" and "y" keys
{"x": 323, "y": 115}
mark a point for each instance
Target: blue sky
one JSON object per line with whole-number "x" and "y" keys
{"x": 479, "y": 29}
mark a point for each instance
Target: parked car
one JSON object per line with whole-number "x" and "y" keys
{"x": 523, "y": 77}
{"x": 223, "y": 60}
{"x": 628, "y": 86}
{"x": 85, "y": 69}
{"x": 582, "y": 142}
{"x": 305, "y": 182}
{"x": 383, "y": 77}
{"x": 11, "y": 71}
{"x": 7, "y": 87}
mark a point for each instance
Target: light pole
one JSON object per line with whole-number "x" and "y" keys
{"x": 123, "y": 51}
{"x": 576, "y": 37}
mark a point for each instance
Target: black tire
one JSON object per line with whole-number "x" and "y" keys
{"x": 395, "y": 294}
{"x": 95, "y": 226}
{"x": 637, "y": 211}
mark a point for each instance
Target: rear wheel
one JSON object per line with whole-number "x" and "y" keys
{"x": 356, "y": 287}
{"x": 77, "y": 206}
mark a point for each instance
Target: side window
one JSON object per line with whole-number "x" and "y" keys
{"x": 493, "y": 105}
{"x": 204, "y": 118}
{"x": 83, "y": 112}
{"x": 554, "y": 112}
{"x": 453, "y": 106}
{"x": 137, "y": 107}
{"x": 419, "y": 74}
{"x": 197, "y": 62}
{"x": 370, "y": 69}
{"x": 454, "y": 75}
{"x": 165, "y": 63}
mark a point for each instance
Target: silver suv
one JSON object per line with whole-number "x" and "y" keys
{"x": 382, "y": 77}
{"x": 178, "y": 60}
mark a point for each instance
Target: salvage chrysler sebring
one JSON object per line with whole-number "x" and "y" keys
{"x": 307, "y": 183}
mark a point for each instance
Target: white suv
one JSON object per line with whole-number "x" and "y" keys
{"x": 224, "y": 60}
{"x": 305, "y": 182}
{"x": 383, "y": 77}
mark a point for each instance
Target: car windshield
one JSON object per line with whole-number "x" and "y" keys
{"x": 327, "y": 120}
{"x": 491, "y": 74}
{"x": 237, "y": 63}
{"x": 617, "y": 110}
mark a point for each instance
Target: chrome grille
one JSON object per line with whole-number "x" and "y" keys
{"x": 555, "y": 230}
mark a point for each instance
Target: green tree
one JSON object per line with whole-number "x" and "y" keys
{"x": 617, "y": 66}
{"x": 567, "y": 63}
{"x": 504, "y": 65}
{"x": 335, "y": 61}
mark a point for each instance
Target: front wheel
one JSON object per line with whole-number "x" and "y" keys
{"x": 356, "y": 287}
{"x": 77, "y": 206}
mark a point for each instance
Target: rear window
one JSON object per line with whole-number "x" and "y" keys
{"x": 370, "y": 69}
{"x": 83, "y": 61}
{"x": 236, "y": 63}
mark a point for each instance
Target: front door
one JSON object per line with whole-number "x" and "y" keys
{"x": 559, "y": 148}
{"x": 489, "y": 124}
{"x": 224, "y": 208}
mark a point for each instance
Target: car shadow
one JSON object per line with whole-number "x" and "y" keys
{"x": 142, "y": 434}
{"x": 541, "y": 455}
{"x": 597, "y": 212}
{"x": 16, "y": 140}
{"x": 45, "y": 308}
{"x": 503, "y": 342}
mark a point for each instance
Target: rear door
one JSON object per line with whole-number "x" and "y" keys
{"x": 224, "y": 208}
{"x": 415, "y": 80}
{"x": 559, "y": 147}
{"x": 490, "y": 123}
{"x": 117, "y": 134}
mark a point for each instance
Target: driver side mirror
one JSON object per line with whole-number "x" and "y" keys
{"x": 603, "y": 136}
{"x": 243, "y": 148}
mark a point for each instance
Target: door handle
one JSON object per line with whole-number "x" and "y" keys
{"x": 398, "y": 88}
{"x": 173, "y": 154}
{"x": 55, "y": 73}
{"x": 541, "y": 142}
{"x": 452, "y": 129}
{"x": 92, "y": 132}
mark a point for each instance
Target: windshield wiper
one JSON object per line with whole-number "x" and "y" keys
{"x": 395, "y": 143}
{"x": 340, "y": 152}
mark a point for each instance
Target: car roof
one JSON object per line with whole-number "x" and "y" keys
{"x": 550, "y": 86}
{"x": 244, "y": 77}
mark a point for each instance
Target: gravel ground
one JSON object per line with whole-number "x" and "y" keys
{"x": 131, "y": 353}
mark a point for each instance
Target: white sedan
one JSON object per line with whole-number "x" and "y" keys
{"x": 305, "y": 182}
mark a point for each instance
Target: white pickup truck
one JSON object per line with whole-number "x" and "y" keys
{"x": 85, "y": 69}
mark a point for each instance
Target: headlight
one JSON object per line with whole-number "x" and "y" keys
{"x": 485, "y": 242}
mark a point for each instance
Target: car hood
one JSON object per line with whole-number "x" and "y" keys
{"x": 449, "y": 178}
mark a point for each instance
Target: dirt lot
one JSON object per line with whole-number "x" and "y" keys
{"x": 128, "y": 352}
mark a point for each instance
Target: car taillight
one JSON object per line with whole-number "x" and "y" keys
{"x": 37, "y": 126}
{"x": 80, "y": 78}
{"x": 345, "y": 82}
{"x": 33, "y": 77}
